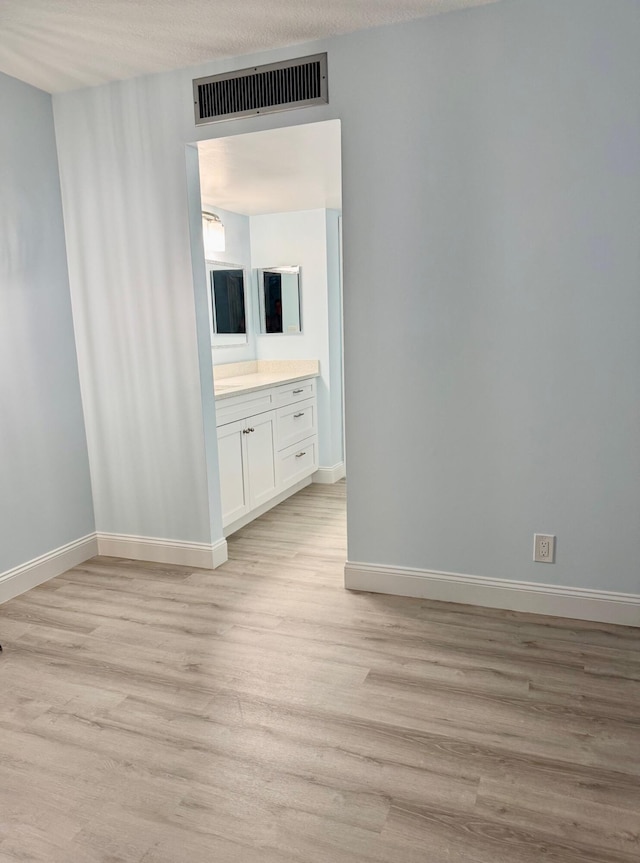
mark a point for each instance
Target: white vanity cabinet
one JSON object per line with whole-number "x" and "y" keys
{"x": 267, "y": 448}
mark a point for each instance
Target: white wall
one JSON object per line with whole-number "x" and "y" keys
{"x": 45, "y": 490}
{"x": 491, "y": 194}
{"x": 300, "y": 238}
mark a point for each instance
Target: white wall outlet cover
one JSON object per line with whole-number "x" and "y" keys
{"x": 544, "y": 548}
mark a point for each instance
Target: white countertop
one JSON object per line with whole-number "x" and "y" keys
{"x": 233, "y": 378}
{"x": 257, "y": 381}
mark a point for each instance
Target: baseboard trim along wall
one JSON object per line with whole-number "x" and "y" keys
{"x": 197, "y": 554}
{"x": 21, "y": 578}
{"x": 329, "y": 475}
{"x": 557, "y": 600}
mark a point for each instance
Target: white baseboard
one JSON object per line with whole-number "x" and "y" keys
{"x": 557, "y": 600}
{"x": 329, "y": 475}
{"x": 173, "y": 551}
{"x": 21, "y": 578}
{"x": 265, "y": 507}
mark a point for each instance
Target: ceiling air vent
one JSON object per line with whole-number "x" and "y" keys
{"x": 261, "y": 89}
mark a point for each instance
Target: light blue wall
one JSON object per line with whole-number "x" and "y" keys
{"x": 130, "y": 205}
{"x": 491, "y": 286}
{"x": 491, "y": 198}
{"x": 45, "y": 492}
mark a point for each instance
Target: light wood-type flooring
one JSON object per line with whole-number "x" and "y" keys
{"x": 262, "y": 714}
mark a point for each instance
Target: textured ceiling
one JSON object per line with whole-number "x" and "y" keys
{"x": 61, "y": 45}
{"x": 277, "y": 171}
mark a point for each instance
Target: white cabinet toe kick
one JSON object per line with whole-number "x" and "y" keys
{"x": 267, "y": 448}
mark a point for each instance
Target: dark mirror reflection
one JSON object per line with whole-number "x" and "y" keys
{"x": 227, "y": 293}
{"x": 280, "y": 300}
{"x": 273, "y": 302}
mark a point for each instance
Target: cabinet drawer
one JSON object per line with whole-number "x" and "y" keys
{"x": 296, "y": 422}
{"x": 241, "y": 406}
{"x": 290, "y": 393}
{"x": 297, "y": 462}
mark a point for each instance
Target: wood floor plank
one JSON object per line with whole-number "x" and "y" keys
{"x": 561, "y": 816}
{"x": 485, "y": 840}
{"x": 262, "y": 714}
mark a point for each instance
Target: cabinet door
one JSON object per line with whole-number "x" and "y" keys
{"x": 233, "y": 474}
{"x": 261, "y": 464}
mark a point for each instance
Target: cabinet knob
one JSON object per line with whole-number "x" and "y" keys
{"x": 300, "y": 414}
{"x": 251, "y": 429}
{"x": 300, "y": 454}
{"x": 296, "y": 392}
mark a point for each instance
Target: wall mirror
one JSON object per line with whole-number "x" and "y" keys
{"x": 227, "y": 306}
{"x": 279, "y": 289}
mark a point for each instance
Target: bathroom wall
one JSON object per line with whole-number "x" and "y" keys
{"x": 301, "y": 238}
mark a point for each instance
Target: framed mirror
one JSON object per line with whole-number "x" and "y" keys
{"x": 280, "y": 304}
{"x": 227, "y": 304}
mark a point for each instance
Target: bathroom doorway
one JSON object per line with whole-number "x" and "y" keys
{"x": 272, "y": 210}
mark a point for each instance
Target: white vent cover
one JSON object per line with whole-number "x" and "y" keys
{"x": 261, "y": 89}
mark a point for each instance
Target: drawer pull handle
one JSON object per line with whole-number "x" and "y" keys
{"x": 298, "y": 415}
{"x": 300, "y": 454}
{"x": 296, "y": 392}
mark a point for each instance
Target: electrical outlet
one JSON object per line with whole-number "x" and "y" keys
{"x": 544, "y": 548}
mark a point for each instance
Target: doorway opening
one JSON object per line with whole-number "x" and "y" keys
{"x": 273, "y": 202}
